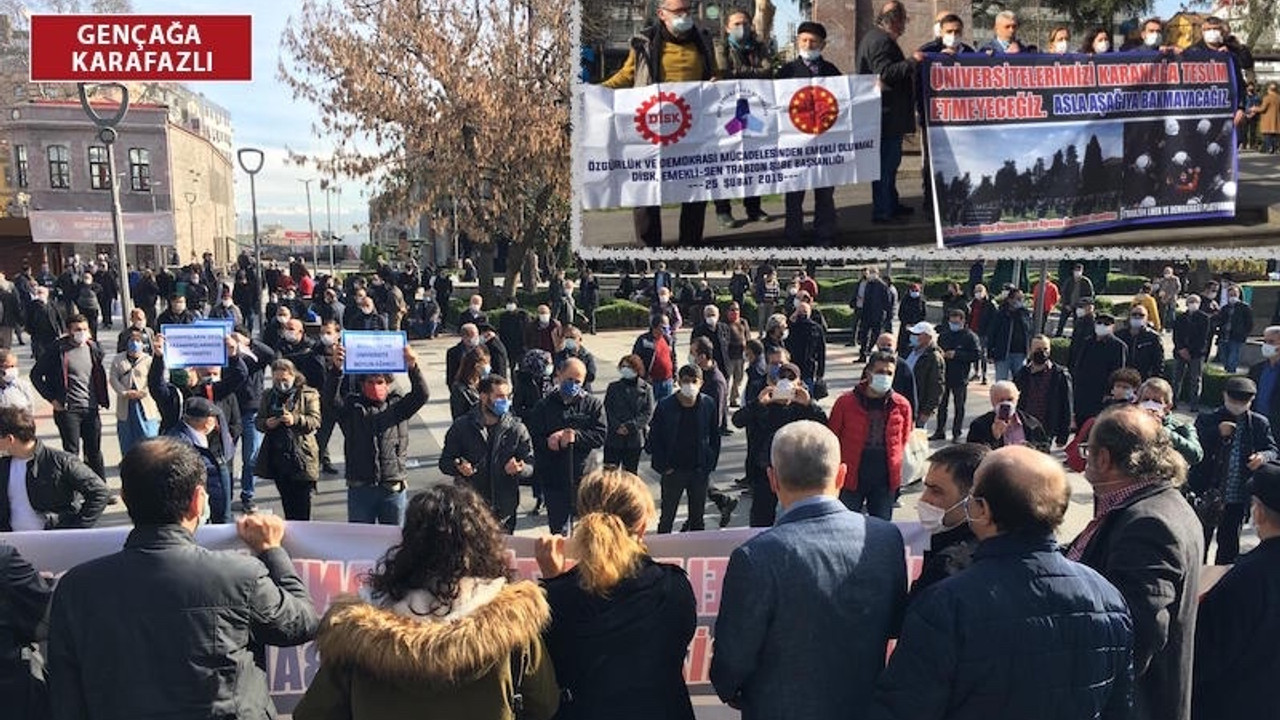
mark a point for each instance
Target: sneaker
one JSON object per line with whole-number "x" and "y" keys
{"x": 248, "y": 507}
{"x": 938, "y": 436}
{"x": 742, "y": 482}
{"x": 726, "y": 511}
{"x": 725, "y": 220}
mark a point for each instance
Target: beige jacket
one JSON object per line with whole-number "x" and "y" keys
{"x": 125, "y": 375}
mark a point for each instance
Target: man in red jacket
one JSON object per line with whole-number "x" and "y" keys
{"x": 873, "y": 424}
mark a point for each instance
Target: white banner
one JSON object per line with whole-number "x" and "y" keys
{"x": 692, "y": 141}
{"x": 331, "y": 558}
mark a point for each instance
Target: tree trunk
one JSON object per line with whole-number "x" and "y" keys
{"x": 484, "y": 271}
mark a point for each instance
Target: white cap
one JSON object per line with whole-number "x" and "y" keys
{"x": 922, "y": 327}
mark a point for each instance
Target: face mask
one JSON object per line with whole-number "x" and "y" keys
{"x": 1077, "y": 273}
{"x": 1232, "y": 300}
{"x": 689, "y": 390}
{"x": 180, "y": 308}
{"x": 282, "y": 319}
{"x": 226, "y": 302}
{"x": 10, "y": 375}
{"x": 292, "y": 337}
{"x": 500, "y": 407}
{"x": 881, "y": 384}
{"x": 546, "y": 371}
{"x": 737, "y": 33}
{"x": 950, "y": 40}
{"x": 1017, "y": 304}
{"x": 1151, "y": 39}
{"x": 511, "y": 307}
{"x": 1269, "y": 350}
{"x": 1079, "y": 312}
{"x": 931, "y": 516}
{"x": 206, "y": 512}
{"x": 914, "y": 294}
{"x": 793, "y": 291}
{"x": 570, "y": 388}
{"x": 140, "y": 324}
{"x": 915, "y": 341}
{"x": 1213, "y": 37}
{"x": 1137, "y": 323}
{"x": 1101, "y": 46}
{"x": 209, "y": 379}
{"x": 284, "y": 386}
{"x": 810, "y": 55}
{"x": 135, "y": 347}
{"x": 80, "y": 337}
{"x": 773, "y": 371}
{"x": 786, "y": 334}
{"x": 1006, "y": 409}
{"x": 178, "y": 377}
{"x": 472, "y": 341}
{"x": 1101, "y": 330}
{"x": 1235, "y": 407}
{"x": 1192, "y": 307}
{"x": 784, "y": 390}
{"x": 626, "y": 373}
{"x": 485, "y": 370}
{"x": 1058, "y": 47}
{"x": 680, "y": 24}
{"x": 329, "y": 340}
{"x": 571, "y": 345}
{"x": 712, "y": 320}
{"x": 1152, "y": 406}
{"x": 979, "y": 295}
{"x": 955, "y": 326}
{"x": 376, "y": 392}
{"x": 544, "y": 318}
{"x": 1040, "y": 357}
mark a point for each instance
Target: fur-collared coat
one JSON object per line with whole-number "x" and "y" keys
{"x": 403, "y": 661}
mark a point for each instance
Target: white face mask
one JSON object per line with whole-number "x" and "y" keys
{"x": 1137, "y": 323}
{"x": 950, "y": 40}
{"x": 1151, "y": 39}
{"x": 292, "y": 337}
{"x": 80, "y": 337}
{"x": 1060, "y": 47}
{"x": 810, "y": 55}
{"x": 689, "y": 390}
{"x": 1235, "y": 407}
{"x": 1101, "y": 330}
{"x": 680, "y": 24}
{"x": 10, "y": 375}
{"x": 475, "y": 308}
{"x": 226, "y": 302}
{"x": 931, "y": 516}
{"x": 881, "y": 384}
{"x": 1213, "y": 37}
{"x": 1192, "y": 307}
{"x": 329, "y": 339}
{"x": 626, "y": 373}
{"x": 784, "y": 390}
{"x": 511, "y": 307}
{"x": 544, "y": 318}
{"x": 1269, "y": 350}
{"x": 1101, "y": 46}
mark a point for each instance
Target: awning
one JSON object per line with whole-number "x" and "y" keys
{"x": 56, "y": 226}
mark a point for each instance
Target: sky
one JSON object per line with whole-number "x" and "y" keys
{"x": 265, "y": 115}
{"x": 973, "y": 154}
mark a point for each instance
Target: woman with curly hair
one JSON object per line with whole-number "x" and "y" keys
{"x": 464, "y": 393}
{"x": 443, "y": 631}
{"x": 621, "y": 623}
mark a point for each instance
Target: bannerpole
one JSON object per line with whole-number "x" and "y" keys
{"x": 311, "y": 228}
{"x": 108, "y": 135}
{"x": 251, "y": 160}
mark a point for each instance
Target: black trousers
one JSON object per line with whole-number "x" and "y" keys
{"x": 82, "y": 427}
{"x": 764, "y": 504}
{"x": 957, "y": 394}
{"x": 693, "y": 220}
{"x": 750, "y": 204}
{"x": 627, "y": 459}
{"x": 502, "y": 494}
{"x": 1228, "y": 528}
{"x": 824, "y": 215}
{"x": 328, "y": 421}
{"x": 675, "y": 484}
{"x": 295, "y": 496}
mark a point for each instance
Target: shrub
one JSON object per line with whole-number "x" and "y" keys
{"x": 622, "y": 314}
{"x": 1060, "y": 351}
{"x": 838, "y": 316}
{"x": 1124, "y": 284}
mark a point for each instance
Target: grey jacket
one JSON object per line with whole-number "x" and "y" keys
{"x": 806, "y": 613}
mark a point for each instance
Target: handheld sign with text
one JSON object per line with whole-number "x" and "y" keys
{"x": 121, "y": 48}
{"x": 194, "y": 346}
{"x": 371, "y": 351}
{"x": 227, "y": 324}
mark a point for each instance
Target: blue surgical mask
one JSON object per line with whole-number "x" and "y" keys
{"x": 571, "y": 345}
{"x": 135, "y": 346}
{"x": 774, "y": 370}
{"x": 570, "y": 388}
{"x": 955, "y": 326}
{"x": 501, "y": 406}
{"x": 915, "y": 341}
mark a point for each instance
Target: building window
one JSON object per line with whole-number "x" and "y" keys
{"x": 20, "y": 155}
{"x": 59, "y": 167}
{"x": 140, "y": 169}
{"x": 99, "y": 171}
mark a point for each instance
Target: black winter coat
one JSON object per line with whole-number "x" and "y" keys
{"x": 1210, "y": 472}
{"x": 1192, "y": 332}
{"x": 61, "y": 487}
{"x": 186, "y": 618}
{"x": 1144, "y": 351}
{"x": 763, "y": 421}
{"x": 628, "y": 403}
{"x": 980, "y": 432}
{"x": 1009, "y": 333}
{"x": 585, "y": 415}
{"x": 24, "y": 598}
{"x": 620, "y": 656}
{"x": 1234, "y": 322}
{"x": 375, "y": 436}
{"x": 719, "y": 337}
{"x": 169, "y": 397}
{"x": 664, "y": 431}
{"x": 1092, "y": 374}
{"x": 1057, "y": 419}
{"x": 488, "y": 452}
{"x": 880, "y": 55}
{"x": 967, "y": 352}
{"x": 807, "y": 344}
{"x": 48, "y": 375}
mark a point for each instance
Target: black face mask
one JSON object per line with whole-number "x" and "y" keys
{"x": 1040, "y": 357}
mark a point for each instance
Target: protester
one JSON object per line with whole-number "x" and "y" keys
{"x": 443, "y": 626}
{"x": 489, "y": 450}
{"x": 200, "y": 421}
{"x": 628, "y": 404}
{"x": 904, "y": 382}
{"x": 1145, "y": 300}
{"x": 565, "y": 427}
{"x": 26, "y": 594}
{"x": 1059, "y": 40}
{"x": 137, "y": 321}
{"x": 511, "y": 329}
{"x": 70, "y": 376}
{"x": 1099, "y": 357}
{"x": 742, "y": 56}
{"x": 1045, "y": 297}
{"x": 43, "y": 488}
{"x": 1009, "y": 335}
{"x": 468, "y": 338}
{"x": 684, "y": 444}
{"x": 44, "y": 323}
{"x": 288, "y": 419}
{"x": 1074, "y": 289}
{"x": 928, "y": 368}
{"x": 1237, "y": 649}
{"x": 674, "y": 49}
{"x": 571, "y": 347}
{"x": 620, "y": 622}
{"x": 375, "y": 438}
{"x": 1144, "y": 347}
{"x": 1155, "y": 395}
{"x": 1191, "y": 338}
{"x": 1215, "y": 36}
{"x": 942, "y": 510}
{"x": 1236, "y": 442}
{"x": 911, "y": 310}
{"x": 1234, "y": 323}
{"x": 14, "y": 390}
{"x": 783, "y": 401}
{"x": 949, "y": 38}
{"x": 960, "y": 349}
{"x": 1006, "y": 425}
{"x": 806, "y": 342}
{"x": 176, "y": 313}
{"x": 589, "y": 294}
{"x": 788, "y": 644}
{"x": 880, "y": 55}
{"x": 464, "y": 392}
{"x": 474, "y": 312}
{"x": 499, "y": 358}
{"x": 717, "y": 333}
{"x": 1022, "y": 626}
{"x": 1096, "y": 42}
{"x": 1268, "y": 113}
{"x": 542, "y": 332}
{"x": 1143, "y": 540}
{"x": 1044, "y": 389}
{"x": 137, "y": 416}
{"x": 735, "y": 351}
{"x": 1168, "y": 287}
{"x": 981, "y": 311}
{"x": 1153, "y": 39}
{"x": 811, "y": 38}
{"x": 1006, "y": 37}
{"x": 189, "y": 641}
{"x": 872, "y": 423}
{"x": 874, "y": 307}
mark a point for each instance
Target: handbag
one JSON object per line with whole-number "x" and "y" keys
{"x": 915, "y": 458}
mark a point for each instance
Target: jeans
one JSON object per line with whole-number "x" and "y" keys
{"x": 884, "y": 192}
{"x": 1011, "y": 364}
{"x": 958, "y": 394}
{"x": 82, "y": 426}
{"x": 1231, "y": 355}
{"x": 130, "y": 432}
{"x": 376, "y": 505}
{"x": 250, "y": 442}
{"x": 295, "y": 496}
{"x": 675, "y": 484}
{"x": 872, "y": 498}
{"x": 626, "y": 458}
{"x": 662, "y": 389}
{"x": 1184, "y": 370}
{"x": 1270, "y": 143}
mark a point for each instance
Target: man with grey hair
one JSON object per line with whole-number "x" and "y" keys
{"x": 879, "y": 54}
{"x": 793, "y": 639}
{"x": 1006, "y": 40}
{"x": 1266, "y": 375}
{"x": 468, "y": 338}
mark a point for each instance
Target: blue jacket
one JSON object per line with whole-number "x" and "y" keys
{"x": 806, "y": 613}
{"x": 1023, "y": 633}
{"x": 665, "y": 427}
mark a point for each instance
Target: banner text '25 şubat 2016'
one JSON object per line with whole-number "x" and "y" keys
{"x": 1043, "y": 146}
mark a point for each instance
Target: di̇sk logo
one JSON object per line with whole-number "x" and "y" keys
{"x": 664, "y": 118}
{"x": 813, "y": 110}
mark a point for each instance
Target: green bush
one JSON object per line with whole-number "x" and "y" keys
{"x": 1125, "y": 284}
{"x": 838, "y": 316}
{"x": 1213, "y": 381}
{"x": 1060, "y": 351}
{"x": 622, "y": 314}
{"x": 748, "y": 307}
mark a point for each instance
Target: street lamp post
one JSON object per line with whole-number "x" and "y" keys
{"x": 311, "y": 228}
{"x": 107, "y": 134}
{"x": 328, "y": 193}
{"x": 251, "y": 160}
{"x": 190, "y": 197}
{"x": 332, "y": 267}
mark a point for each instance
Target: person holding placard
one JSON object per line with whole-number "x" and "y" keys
{"x": 137, "y": 417}
{"x": 375, "y": 429}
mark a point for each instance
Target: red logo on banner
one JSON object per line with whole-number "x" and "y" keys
{"x": 664, "y": 118}
{"x": 814, "y": 109}
{"x": 115, "y": 48}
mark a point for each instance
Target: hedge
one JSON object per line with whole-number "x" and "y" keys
{"x": 1124, "y": 284}
{"x": 838, "y": 317}
{"x": 622, "y": 314}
